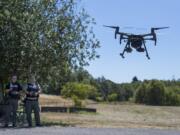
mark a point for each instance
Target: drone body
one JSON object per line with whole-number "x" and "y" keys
{"x": 135, "y": 41}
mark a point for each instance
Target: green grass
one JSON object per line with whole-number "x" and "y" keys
{"x": 88, "y": 113}
{"x": 47, "y": 123}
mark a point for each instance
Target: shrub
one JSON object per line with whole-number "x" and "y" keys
{"x": 77, "y": 101}
{"x": 155, "y": 94}
{"x": 112, "y": 97}
{"x": 152, "y": 93}
{"x": 80, "y": 90}
{"x": 140, "y": 93}
{"x": 99, "y": 99}
{"x": 172, "y": 97}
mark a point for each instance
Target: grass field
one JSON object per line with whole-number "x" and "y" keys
{"x": 116, "y": 115}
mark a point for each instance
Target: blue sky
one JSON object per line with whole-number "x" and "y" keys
{"x": 165, "y": 57}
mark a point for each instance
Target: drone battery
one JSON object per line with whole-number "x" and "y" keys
{"x": 136, "y": 43}
{"x": 140, "y": 49}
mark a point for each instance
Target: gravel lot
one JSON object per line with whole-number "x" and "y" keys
{"x": 86, "y": 131}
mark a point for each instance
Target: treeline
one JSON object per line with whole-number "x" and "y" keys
{"x": 82, "y": 85}
{"x": 155, "y": 92}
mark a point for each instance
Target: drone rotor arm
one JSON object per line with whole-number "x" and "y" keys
{"x": 122, "y": 37}
{"x": 146, "y": 35}
{"x": 124, "y": 34}
{"x": 154, "y": 34}
{"x": 151, "y": 39}
{"x": 155, "y": 40}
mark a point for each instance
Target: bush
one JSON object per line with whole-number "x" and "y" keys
{"x": 155, "y": 94}
{"x": 152, "y": 93}
{"x": 82, "y": 91}
{"x": 140, "y": 94}
{"x": 77, "y": 101}
{"x": 172, "y": 97}
{"x": 127, "y": 91}
{"x": 99, "y": 99}
{"x": 112, "y": 97}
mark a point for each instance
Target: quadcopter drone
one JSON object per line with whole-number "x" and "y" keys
{"x": 136, "y": 41}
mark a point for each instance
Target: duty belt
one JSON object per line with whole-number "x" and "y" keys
{"x": 32, "y": 98}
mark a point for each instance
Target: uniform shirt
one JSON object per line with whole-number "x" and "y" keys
{"x": 32, "y": 88}
{"x": 14, "y": 87}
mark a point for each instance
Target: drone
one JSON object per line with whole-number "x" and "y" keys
{"x": 136, "y": 41}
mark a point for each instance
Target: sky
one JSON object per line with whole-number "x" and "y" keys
{"x": 165, "y": 57}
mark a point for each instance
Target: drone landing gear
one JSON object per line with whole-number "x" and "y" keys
{"x": 122, "y": 55}
{"x": 147, "y": 55}
{"x": 126, "y": 49}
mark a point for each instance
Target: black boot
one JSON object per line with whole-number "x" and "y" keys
{"x": 30, "y": 125}
{"x": 14, "y": 125}
{"x": 38, "y": 125}
{"x": 6, "y": 126}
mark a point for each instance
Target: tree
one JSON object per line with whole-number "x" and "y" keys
{"x": 1, "y": 93}
{"x": 47, "y": 38}
{"x": 155, "y": 94}
{"x": 172, "y": 96}
{"x": 106, "y": 88}
{"x": 128, "y": 91}
{"x": 80, "y": 90}
{"x": 81, "y": 75}
{"x": 112, "y": 97}
{"x": 140, "y": 94}
{"x": 135, "y": 79}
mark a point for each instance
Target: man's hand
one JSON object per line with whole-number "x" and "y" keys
{"x": 15, "y": 92}
{"x": 8, "y": 90}
{"x": 37, "y": 93}
{"x": 33, "y": 93}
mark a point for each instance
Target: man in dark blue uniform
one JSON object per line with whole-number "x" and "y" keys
{"x": 13, "y": 91}
{"x": 32, "y": 103}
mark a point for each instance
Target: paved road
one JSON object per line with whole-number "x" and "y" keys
{"x": 86, "y": 131}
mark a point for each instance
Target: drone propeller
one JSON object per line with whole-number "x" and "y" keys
{"x": 131, "y": 27}
{"x": 128, "y": 27}
{"x": 159, "y": 28}
{"x": 114, "y": 27}
{"x": 160, "y": 33}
